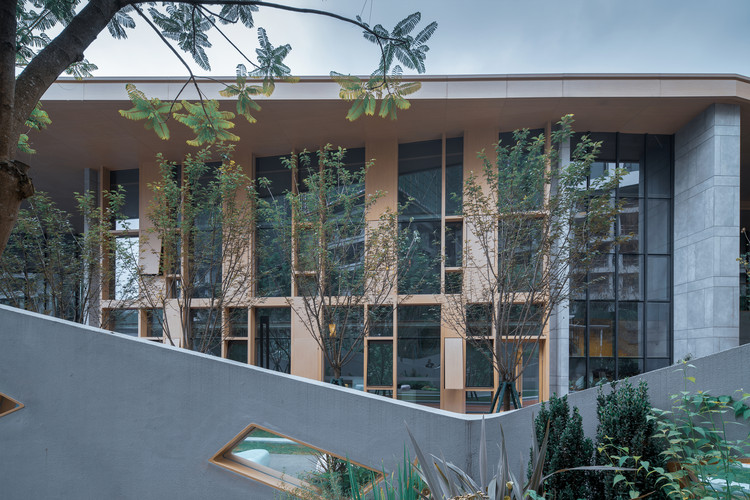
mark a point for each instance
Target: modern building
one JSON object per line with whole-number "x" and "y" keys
{"x": 670, "y": 291}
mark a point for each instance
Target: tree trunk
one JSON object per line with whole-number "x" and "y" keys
{"x": 19, "y": 95}
{"x": 506, "y": 399}
{"x": 15, "y": 186}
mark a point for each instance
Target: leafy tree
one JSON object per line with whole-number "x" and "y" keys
{"x": 203, "y": 215}
{"x": 343, "y": 257}
{"x": 533, "y": 227}
{"x": 33, "y": 53}
{"x": 50, "y": 268}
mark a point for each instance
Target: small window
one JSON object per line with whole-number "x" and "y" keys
{"x": 290, "y": 465}
{"x": 8, "y": 405}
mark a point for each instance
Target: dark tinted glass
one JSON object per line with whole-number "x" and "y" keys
{"x": 380, "y": 363}
{"x": 128, "y": 179}
{"x": 273, "y": 338}
{"x": 454, "y": 175}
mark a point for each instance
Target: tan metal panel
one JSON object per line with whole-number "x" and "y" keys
{"x": 454, "y": 363}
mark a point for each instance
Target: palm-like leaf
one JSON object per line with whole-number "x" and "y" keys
{"x": 154, "y": 111}
{"x": 233, "y": 13}
{"x": 120, "y": 22}
{"x": 271, "y": 63}
{"x": 243, "y": 92}
{"x": 208, "y": 122}
{"x": 188, "y": 27}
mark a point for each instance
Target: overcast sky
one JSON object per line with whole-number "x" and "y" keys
{"x": 479, "y": 37}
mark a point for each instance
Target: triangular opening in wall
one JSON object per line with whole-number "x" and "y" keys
{"x": 287, "y": 464}
{"x": 8, "y": 405}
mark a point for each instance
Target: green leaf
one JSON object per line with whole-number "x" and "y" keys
{"x": 617, "y": 479}
{"x": 153, "y": 111}
{"x": 207, "y": 122}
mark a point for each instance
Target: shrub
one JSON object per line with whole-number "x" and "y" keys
{"x": 567, "y": 448}
{"x": 626, "y": 424}
{"x": 704, "y": 462}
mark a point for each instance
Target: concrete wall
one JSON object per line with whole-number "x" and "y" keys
{"x": 706, "y": 232}
{"x": 112, "y": 416}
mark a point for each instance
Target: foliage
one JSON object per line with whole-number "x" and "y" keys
{"x": 567, "y": 448}
{"x": 189, "y": 25}
{"x": 446, "y": 480}
{"x": 343, "y": 256}
{"x": 626, "y": 426}
{"x": 403, "y": 484}
{"x": 533, "y": 228}
{"x": 203, "y": 215}
{"x": 696, "y": 430}
{"x": 38, "y": 120}
{"x": 50, "y": 268}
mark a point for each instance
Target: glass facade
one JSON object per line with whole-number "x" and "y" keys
{"x": 620, "y": 325}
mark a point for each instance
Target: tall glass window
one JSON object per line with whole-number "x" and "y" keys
{"x": 621, "y": 324}
{"x": 427, "y": 208}
{"x": 273, "y": 338}
{"x": 418, "y": 364}
{"x": 128, "y": 180}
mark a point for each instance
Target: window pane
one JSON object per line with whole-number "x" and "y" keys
{"x": 629, "y": 277}
{"x": 478, "y": 320}
{"x": 237, "y": 322}
{"x": 237, "y": 350}
{"x": 381, "y": 321}
{"x": 577, "y": 331}
{"x": 128, "y": 179}
{"x": 454, "y": 239}
{"x": 659, "y": 233}
{"x": 656, "y": 363}
{"x": 658, "y": 165}
{"x": 601, "y": 370}
{"x": 123, "y": 321}
{"x": 629, "y": 226}
{"x": 454, "y": 174}
{"x": 630, "y": 335}
{"x": 657, "y": 284}
{"x": 601, "y": 329}
{"x": 657, "y": 330}
{"x": 125, "y": 268}
{"x": 205, "y": 328}
{"x": 478, "y": 401}
{"x": 419, "y": 354}
{"x": 454, "y": 281}
{"x": 629, "y": 367}
{"x": 380, "y": 363}
{"x": 577, "y": 374}
{"x": 479, "y": 371}
{"x": 420, "y": 178}
{"x": 530, "y": 377}
{"x": 602, "y": 277}
{"x": 420, "y": 258}
{"x": 273, "y": 338}
{"x": 154, "y": 322}
{"x": 348, "y": 342}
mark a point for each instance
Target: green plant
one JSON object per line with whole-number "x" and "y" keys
{"x": 567, "y": 448}
{"x": 50, "y": 268}
{"x": 626, "y": 423}
{"x": 704, "y": 462}
{"x": 445, "y": 480}
{"x": 403, "y": 484}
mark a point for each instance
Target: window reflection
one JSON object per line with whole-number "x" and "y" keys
{"x": 419, "y": 354}
{"x": 273, "y": 338}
